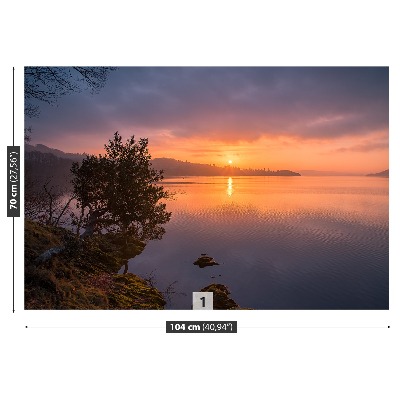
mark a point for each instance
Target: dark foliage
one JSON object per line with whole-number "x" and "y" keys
{"x": 120, "y": 191}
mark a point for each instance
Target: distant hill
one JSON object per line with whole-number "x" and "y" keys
{"x": 383, "y": 174}
{"x": 58, "y": 153}
{"x": 312, "y": 172}
{"x": 45, "y": 165}
{"x": 172, "y": 167}
{"x": 42, "y": 168}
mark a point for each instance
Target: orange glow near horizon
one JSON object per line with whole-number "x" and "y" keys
{"x": 326, "y": 119}
{"x": 347, "y": 154}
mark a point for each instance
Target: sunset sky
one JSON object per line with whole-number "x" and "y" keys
{"x": 327, "y": 119}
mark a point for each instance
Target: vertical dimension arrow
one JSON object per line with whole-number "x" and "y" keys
{"x": 13, "y": 187}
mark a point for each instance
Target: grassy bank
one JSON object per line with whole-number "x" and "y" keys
{"x": 84, "y": 275}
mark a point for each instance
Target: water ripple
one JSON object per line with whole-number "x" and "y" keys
{"x": 280, "y": 252}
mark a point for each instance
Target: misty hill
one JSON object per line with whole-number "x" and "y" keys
{"x": 383, "y": 174}
{"x": 312, "y": 172}
{"x": 172, "y": 167}
{"x": 58, "y": 153}
{"x": 42, "y": 168}
{"x": 45, "y": 161}
{"x": 47, "y": 165}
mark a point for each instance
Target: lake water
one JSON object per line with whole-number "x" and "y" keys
{"x": 282, "y": 242}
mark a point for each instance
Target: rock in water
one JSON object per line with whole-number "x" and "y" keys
{"x": 222, "y": 301}
{"x": 205, "y": 261}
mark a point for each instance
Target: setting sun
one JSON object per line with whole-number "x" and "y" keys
{"x": 306, "y": 200}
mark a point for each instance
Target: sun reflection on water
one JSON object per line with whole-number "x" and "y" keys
{"x": 229, "y": 190}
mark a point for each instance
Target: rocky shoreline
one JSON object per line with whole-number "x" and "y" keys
{"x": 84, "y": 274}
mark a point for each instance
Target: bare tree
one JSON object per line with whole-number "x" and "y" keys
{"x": 48, "y": 84}
{"x": 48, "y": 204}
